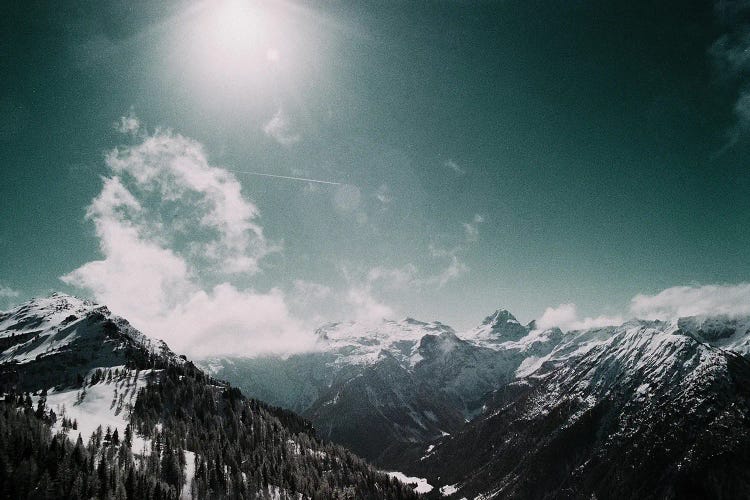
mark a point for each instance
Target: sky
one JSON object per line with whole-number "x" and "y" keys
{"x": 576, "y": 162}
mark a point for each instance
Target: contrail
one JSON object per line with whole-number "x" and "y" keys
{"x": 284, "y": 177}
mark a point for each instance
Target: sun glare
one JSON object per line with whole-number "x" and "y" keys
{"x": 235, "y": 41}
{"x": 238, "y": 25}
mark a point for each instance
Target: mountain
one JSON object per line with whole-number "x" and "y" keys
{"x": 402, "y": 383}
{"x": 93, "y": 408}
{"x": 646, "y": 409}
{"x": 643, "y": 410}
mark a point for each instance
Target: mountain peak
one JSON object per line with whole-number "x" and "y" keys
{"x": 500, "y": 326}
{"x": 501, "y": 316}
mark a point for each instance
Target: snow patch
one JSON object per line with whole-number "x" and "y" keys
{"x": 420, "y": 484}
{"x": 107, "y": 403}
{"x": 448, "y": 489}
{"x": 187, "y": 491}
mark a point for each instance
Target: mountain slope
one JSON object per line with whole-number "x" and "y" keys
{"x": 653, "y": 411}
{"x": 171, "y": 430}
{"x": 642, "y": 410}
{"x": 388, "y": 389}
{"x": 402, "y": 383}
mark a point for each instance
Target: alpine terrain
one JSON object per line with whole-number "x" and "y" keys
{"x": 91, "y": 408}
{"x": 647, "y": 409}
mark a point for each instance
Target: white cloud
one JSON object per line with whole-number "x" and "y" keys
{"x": 455, "y": 167}
{"x": 7, "y": 292}
{"x": 454, "y": 267}
{"x": 365, "y": 307}
{"x": 278, "y": 128}
{"x": 453, "y": 270}
{"x": 173, "y": 174}
{"x": 565, "y": 317}
{"x": 307, "y": 290}
{"x": 128, "y": 124}
{"x": 681, "y": 301}
{"x": 471, "y": 229}
{"x": 393, "y": 277}
{"x": 383, "y": 194}
{"x": 168, "y": 223}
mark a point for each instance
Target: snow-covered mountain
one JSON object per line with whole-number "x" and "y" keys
{"x": 403, "y": 383}
{"x": 647, "y": 409}
{"x": 643, "y": 410}
{"x": 70, "y": 370}
{"x": 504, "y": 400}
{"x": 57, "y": 341}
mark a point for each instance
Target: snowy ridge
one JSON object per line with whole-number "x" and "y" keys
{"x": 365, "y": 343}
{"x": 59, "y": 323}
{"x": 646, "y": 404}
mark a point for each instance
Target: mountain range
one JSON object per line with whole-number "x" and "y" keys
{"x": 646, "y": 409}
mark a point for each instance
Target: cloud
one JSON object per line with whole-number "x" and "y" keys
{"x": 565, "y": 317}
{"x": 278, "y": 128}
{"x": 454, "y": 267}
{"x": 128, "y": 124}
{"x": 731, "y": 55}
{"x": 453, "y": 270}
{"x": 458, "y": 169}
{"x": 472, "y": 228}
{"x": 7, "y": 292}
{"x": 308, "y": 290}
{"x": 173, "y": 174}
{"x": 347, "y": 198}
{"x": 409, "y": 276}
{"x": 383, "y": 194}
{"x": 681, "y": 301}
{"x": 392, "y": 277}
{"x": 173, "y": 231}
{"x": 365, "y": 307}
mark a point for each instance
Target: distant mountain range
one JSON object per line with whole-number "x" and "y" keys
{"x": 647, "y": 409}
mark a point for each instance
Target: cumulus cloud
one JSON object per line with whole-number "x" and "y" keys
{"x": 168, "y": 224}
{"x": 279, "y": 129}
{"x": 681, "y": 301}
{"x": 565, "y": 317}
{"x": 455, "y": 167}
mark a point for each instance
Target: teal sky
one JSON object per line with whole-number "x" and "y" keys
{"x": 515, "y": 154}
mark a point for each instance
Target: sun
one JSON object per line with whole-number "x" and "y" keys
{"x": 239, "y": 40}
{"x": 238, "y": 25}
